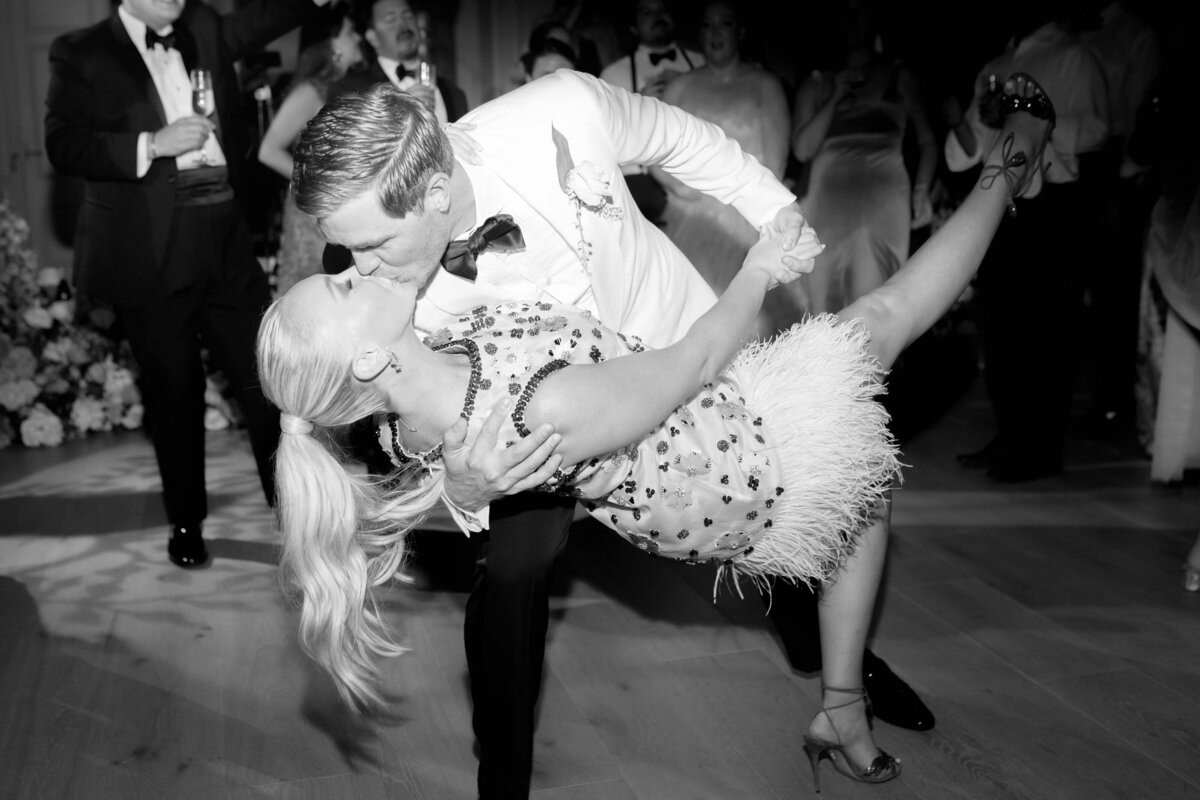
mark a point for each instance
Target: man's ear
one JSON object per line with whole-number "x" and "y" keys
{"x": 437, "y": 193}
{"x": 369, "y": 364}
{"x": 372, "y": 39}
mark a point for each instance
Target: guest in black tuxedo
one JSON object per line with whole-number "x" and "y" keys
{"x": 160, "y": 234}
{"x": 392, "y": 30}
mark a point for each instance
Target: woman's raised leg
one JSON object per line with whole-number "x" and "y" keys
{"x": 913, "y": 299}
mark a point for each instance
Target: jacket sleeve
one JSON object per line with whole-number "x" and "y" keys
{"x": 644, "y": 130}
{"x": 78, "y": 143}
{"x": 255, "y": 25}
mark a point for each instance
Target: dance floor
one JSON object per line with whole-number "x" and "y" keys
{"x": 1045, "y": 624}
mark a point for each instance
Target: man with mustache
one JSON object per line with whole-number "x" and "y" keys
{"x": 392, "y": 29}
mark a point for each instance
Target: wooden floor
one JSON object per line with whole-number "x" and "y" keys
{"x": 1044, "y": 623}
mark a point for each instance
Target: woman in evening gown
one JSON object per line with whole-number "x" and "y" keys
{"x": 849, "y": 126}
{"x": 749, "y": 104}
{"x": 320, "y": 64}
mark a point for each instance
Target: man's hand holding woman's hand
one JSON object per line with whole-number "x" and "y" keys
{"x": 782, "y": 265}
{"x": 486, "y": 470}
{"x": 793, "y": 243}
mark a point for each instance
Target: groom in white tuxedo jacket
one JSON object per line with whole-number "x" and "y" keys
{"x": 384, "y": 181}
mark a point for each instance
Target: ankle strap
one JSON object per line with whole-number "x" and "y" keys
{"x": 859, "y": 692}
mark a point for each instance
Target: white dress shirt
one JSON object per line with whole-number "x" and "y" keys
{"x": 174, "y": 86}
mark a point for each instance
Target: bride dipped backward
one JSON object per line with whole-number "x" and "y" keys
{"x": 337, "y": 349}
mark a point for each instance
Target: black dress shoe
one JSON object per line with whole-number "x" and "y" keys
{"x": 1019, "y": 469}
{"x": 186, "y": 548}
{"x": 893, "y": 700}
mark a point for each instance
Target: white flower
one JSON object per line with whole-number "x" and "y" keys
{"x": 214, "y": 420}
{"x": 89, "y": 414}
{"x": 57, "y": 352}
{"x": 589, "y": 184}
{"x": 41, "y": 428}
{"x": 133, "y": 417}
{"x": 49, "y": 277}
{"x": 21, "y": 361}
{"x": 15, "y": 395}
{"x": 38, "y": 317}
{"x": 62, "y": 310}
{"x": 117, "y": 381}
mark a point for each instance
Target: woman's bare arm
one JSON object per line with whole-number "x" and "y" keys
{"x": 598, "y": 408}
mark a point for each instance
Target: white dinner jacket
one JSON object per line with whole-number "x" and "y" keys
{"x": 641, "y": 283}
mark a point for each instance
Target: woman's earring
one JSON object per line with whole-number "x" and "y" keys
{"x": 394, "y": 361}
{"x": 337, "y": 56}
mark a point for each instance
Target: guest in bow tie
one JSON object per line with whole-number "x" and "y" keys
{"x": 548, "y": 155}
{"x": 657, "y": 58}
{"x": 654, "y": 63}
{"x": 160, "y": 235}
{"x": 393, "y": 36}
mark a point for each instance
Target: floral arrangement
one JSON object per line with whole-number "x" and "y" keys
{"x": 61, "y": 377}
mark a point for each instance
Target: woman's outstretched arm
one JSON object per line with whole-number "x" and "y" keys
{"x": 598, "y": 408}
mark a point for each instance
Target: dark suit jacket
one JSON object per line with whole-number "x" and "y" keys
{"x": 370, "y": 73}
{"x": 101, "y": 97}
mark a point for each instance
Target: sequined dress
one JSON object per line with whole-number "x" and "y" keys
{"x": 768, "y": 471}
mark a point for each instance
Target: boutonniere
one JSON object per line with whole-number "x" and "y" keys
{"x": 586, "y": 186}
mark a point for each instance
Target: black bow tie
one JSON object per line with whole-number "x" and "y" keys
{"x": 167, "y": 42}
{"x": 496, "y": 233}
{"x": 401, "y": 73}
{"x": 665, "y": 55}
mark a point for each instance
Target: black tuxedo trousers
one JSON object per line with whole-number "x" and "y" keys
{"x": 212, "y": 297}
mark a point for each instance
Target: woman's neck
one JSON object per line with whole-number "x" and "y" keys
{"x": 427, "y": 393}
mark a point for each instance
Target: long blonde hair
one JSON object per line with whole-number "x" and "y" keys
{"x": 343, "y": 530}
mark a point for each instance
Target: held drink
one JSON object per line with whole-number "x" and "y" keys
{"x": 426, "y": 71}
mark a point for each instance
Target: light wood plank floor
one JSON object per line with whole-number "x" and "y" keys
{"x": 1045, "y": 624}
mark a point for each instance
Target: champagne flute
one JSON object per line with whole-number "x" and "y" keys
{"x": 426, "y": 71}
{"x": 203, "y": 100}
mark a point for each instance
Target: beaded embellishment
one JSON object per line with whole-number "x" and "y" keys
{"x": 400, "y": 456}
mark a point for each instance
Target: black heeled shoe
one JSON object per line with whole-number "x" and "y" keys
{"x": 1021, "y": 94}
{"x": 882, "y": 768}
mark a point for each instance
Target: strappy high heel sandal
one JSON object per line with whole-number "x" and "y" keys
{"x": 881, "y": 769}
{"x": 1021, "y": 93}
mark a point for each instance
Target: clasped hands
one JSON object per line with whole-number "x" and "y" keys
{"x": 487, "y": 469}
{"x": 787, "y": 247}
